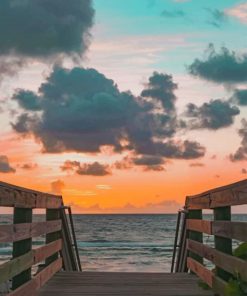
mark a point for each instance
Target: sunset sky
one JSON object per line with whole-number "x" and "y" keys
{"x": 123, "y": 106}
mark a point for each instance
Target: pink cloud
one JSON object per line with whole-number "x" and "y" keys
{"x": 239, "y": 12}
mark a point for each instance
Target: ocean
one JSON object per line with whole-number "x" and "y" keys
{"x": 129, "y": 243}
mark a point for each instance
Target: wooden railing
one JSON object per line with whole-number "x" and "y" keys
{"x": 223, "y": 230}
{"x": 55, "y": 254}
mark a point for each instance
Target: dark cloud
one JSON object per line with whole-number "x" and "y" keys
{"x": 240, "y": 97}
{"x": 82, "y": 110}
{"x": 43, "y": 28}
{"x": 161, "y": 88}
{"x": 222, "y": 67}
{"x": 217, "y": 17}
{"x": 148, "y": 160}
{"x": 27, "y": 100}
{"x": 212, "y": 115}
{"x": 91, "y": 169}
{"x": 181, "y": 149}
{"x": 241, "y": 153}
{"x": 156, "y": 168}
{"x": 177, "y": 13}
{"x": 57, "y": 187}
{"x": 5, "y": 166}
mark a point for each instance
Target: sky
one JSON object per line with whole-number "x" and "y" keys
{"x": 123, "y": 106}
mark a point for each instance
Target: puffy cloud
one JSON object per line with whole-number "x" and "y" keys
{"x": 57, "y": 186}
{"x": 212, "y": 115}
{"x": 222, "y": 67}
{"x": 5, "y": 166}
{"x": 241, "y": 153}
{"x": 148, "y": 160}
{"x": 43, "y": 28}
{"x": 91, "y": 169}
{"x": 161, "y": 88}
{"x": 27, "y": 100}
{"x": 240, "y": 97}
{"x": 82, "y": 110}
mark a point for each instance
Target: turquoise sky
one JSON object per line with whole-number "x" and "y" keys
{"x": 195, "y": 20}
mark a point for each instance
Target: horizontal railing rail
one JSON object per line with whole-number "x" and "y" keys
{"x": 222, "y": 230}
{"x": 55, "y": 254}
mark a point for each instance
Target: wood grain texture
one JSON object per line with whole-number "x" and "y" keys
{"x": 31, "y": 287}
{"x": 204, "y": 226}
{"x": 227, "y": 229}
{"x": 15, "y": 196}
{"x": 230, "y": 229}
{"x": 21, "y": 231}
{"x": 201, "y": 271}
{"x": 15, "y": 266}
{"x": 122, "y": 284}
{"x": 229, "y": 195}
{"x": 227, "y": 262}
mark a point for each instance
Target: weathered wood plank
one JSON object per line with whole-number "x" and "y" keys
{"x": 227, "y": 229}
{"x": 15, "y": 196}
{"x": 203, "y": 273}
{"x": 123, "y": 284}
{"x": 229, "y": 195}
{"x": 227, "y": 262}
{"x": 21, "y": 231}
{"x": 46, "y": 251}
{"x": 230, "y": 229}
{"x": 31, "y": 287}
{"x": 17, "y": 265}
{"x": 204, "y": 226}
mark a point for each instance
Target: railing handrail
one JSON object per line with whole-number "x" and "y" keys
{"x": 27, "y": 190}
{"x": 219, "y": 200}
{"x": 229, "y": 195}
{"x": 59, "y": 251}
{"x": 20, "y": 197}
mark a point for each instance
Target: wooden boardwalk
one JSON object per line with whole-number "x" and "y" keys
{"x": 123, "y": 284}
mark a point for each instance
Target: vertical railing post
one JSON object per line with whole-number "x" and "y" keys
{"x": 52, "y": 214}
{"x": 22, "y": 215}
{"x": 223, "y": 244}
{"x": 195, "y": 235}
